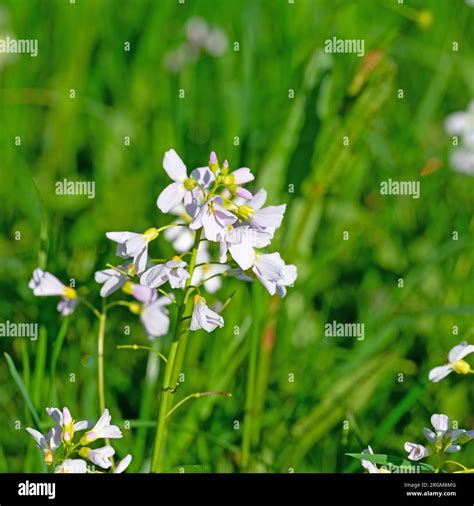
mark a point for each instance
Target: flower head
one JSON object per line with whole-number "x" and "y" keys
{"x": 100, "y": 456}
{"x": 44, "y": 284}
{"x": 456, "y": 363}
{"x": 64, "y": 420}
{"x": 102, "y": 429}
{"x": 48, "y": 443}
{"x": 132, "y": 245}
{"x": 184, "y": 189}
{"x": 273, "y": 273}
{"x": 213, "y": 218}
{"x": 173, "y": 271}
{"x": 203, "y": 317}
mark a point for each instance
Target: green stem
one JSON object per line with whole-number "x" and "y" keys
{"x": 175, "y": 360}
{"x": 195, "y": 396}
{"x": 100, "y": 355}
{"x": 250, "y": 393}
{"x": 138, "y": 347}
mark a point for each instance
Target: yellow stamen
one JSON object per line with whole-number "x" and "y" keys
{"x": 461, "y": 367}
{"x": 128, "y": 287}
{"x": 48, "y": 457}
{"x": 176, "y": 258}
{"x": 131, "y": 271}
{"x": 198, "y": 298}
{"x": 135, "y": 307}
{"x": 245, "y": 212}
{"x": 151, "y": 234}
{"x": 70, "y": 293}
{"x": 189, "y": 184}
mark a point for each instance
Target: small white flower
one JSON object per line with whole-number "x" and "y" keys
{"x": 184, "y": 188}
{"x": 64, "y": 420}
{"x": 370, "y": 467}
{"x": 72, "y": 466}
{"x": 267, "y": 218}
{"x": 123, "y": 464}
{"x": 415, "y": 451}
{"x": 44, "y": 284}
{"x": 240, "y": 242}
{"x": 102, "y": 429}
{"x": 203, "y": 317}
{"x": 213, "y": 218}
{"x": 273, "y": 273}
{"x": 100, "y": 456}
{"x": 47, "y": 444}
{"x": 173, "y": 271}
{"x": 132, "y": 245}
{"x": 455, "y": 363}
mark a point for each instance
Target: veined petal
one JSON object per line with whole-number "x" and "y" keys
{"x": 440, "y": 422}
{"x": 243, "y": 254}
{"x": 258, "y": 199}
{"x": 243, "y": 175}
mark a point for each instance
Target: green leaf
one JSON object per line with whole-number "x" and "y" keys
{"x": 188, "y": 469}
{"x": 390, "y": 460}
{"x": 22, "y": 388}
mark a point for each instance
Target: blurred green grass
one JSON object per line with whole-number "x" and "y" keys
{"x": 285, "y": 141}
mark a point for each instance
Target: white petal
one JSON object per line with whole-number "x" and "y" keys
{"x": 456, "y": 123}
{"x": 170, "y": 197}
{"x": 120, "y": 237}
{"x": 438, "y": 373}
{"x": 243, "y": 254}
{"x": 123, "y": 464}
{"x": 440, "y": 422}
{"x": 429, "y": 434}
{"x": 174, "y": 166}
{"x": 460, "y": 351}
{"x": 258, "y": 199}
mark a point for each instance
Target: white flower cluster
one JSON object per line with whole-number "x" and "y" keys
{"x": 64, "y": 432}
{"x": 443, "y": 440}
{"x": 213, "y": 207}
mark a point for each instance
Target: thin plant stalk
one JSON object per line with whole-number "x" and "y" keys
{"x": 170, "y": 369}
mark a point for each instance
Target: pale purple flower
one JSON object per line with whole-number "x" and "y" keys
{"x": 240, "y": 243}
{"x": 123, "y": 464}
{"x": 64, "y": 420}
{"x": 455, "y": 363}
{"x": 264, "y": 218}
{"x": 99, "y": 456}
{"x": 415, "y": 451}
{"x": 102, "y": 429}
{"x": 213, "y": 218}
{"x": 48, "y": 443}
{"x": 132, "y": 245}
{"x": 183, "y": 187}
{"x": 112, "y": 280}
{"x": 203, "y": 317}
{"x": 173, "y": 271}
{"x": 44, "y": 284}
{"x": 273, "y": 273}
{"x": 72, "y": 466}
